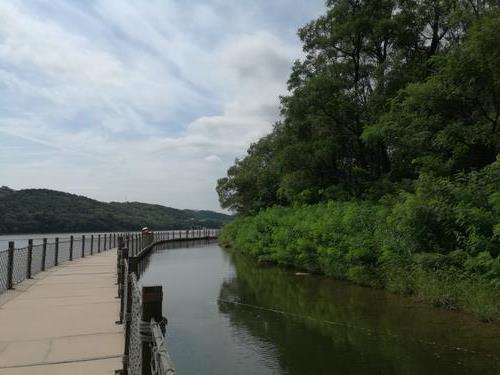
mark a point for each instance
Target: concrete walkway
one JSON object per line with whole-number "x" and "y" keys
{"x": 63, "y": 321}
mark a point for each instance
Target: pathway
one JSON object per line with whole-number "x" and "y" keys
{"x": 63, "y": 321}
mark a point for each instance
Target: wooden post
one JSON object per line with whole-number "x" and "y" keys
{"x": 83, "y": 246}
{"x": 133, "y": 265}
{"x": 152, "y": 297}
{"x": 56, "y": 252}
{"x": 30, "y": 259}
{"x": 118, "y": 256}
{"x": 10, "y": 265}
{"x": 91, "y": 244}
{"x": 98, "y": 243}
{"x": 71, "y": 239}
{"x": 44, "y": 253}
{"x": 123, "y": 279}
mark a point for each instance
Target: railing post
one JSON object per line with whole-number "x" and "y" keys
{"x": 152, "y": 297}
{"x": 10, "y": 265}
{"x": 44, "y": 253}
{"x": 71, "y": 239}
{"x": 133, "y": 265}
{"x": 91, "y": 244}
{"x": 98, "y": 243}
{"x": 105, "y": 243}
{"x": 122, "y": 280}
{"x": 119, "y": 254}
{"x": 56, "y": 253}
{"x": 30, "y": 259}
{"x": 83, "y": 246}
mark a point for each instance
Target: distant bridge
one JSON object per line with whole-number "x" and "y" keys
{"x": 64, "y": 320}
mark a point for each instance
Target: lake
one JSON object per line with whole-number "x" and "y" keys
{"x": 229, "y": 315}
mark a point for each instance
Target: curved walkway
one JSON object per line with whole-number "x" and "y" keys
{"x": 63, "y": 321}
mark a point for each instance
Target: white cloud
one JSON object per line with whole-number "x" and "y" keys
{"x": 212, "y": 158}
{"x": 138, "y": 100}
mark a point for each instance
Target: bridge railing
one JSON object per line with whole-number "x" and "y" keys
{"x": 20, "y": 263}
{"x": 145, "y": 351}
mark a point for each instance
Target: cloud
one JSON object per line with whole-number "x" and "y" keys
{"x": 212, "y": 158}
{"x": 140, "y": 100}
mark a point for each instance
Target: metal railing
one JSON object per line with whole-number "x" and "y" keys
{"x": 145, "y": 351}
{"x": 20, "y": 263}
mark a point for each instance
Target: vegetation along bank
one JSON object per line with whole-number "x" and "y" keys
{"x": 383, "y": 168}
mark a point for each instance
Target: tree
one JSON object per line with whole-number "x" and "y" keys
{"x": 379, "y": 97}
{"x": 450, "y": 122}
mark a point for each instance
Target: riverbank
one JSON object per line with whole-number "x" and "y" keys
{"x": 361, "y": 242}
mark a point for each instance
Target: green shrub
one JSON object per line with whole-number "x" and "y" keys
{"x": 439, "y": 244}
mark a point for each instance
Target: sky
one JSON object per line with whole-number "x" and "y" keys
{"x": 140, "y": 100}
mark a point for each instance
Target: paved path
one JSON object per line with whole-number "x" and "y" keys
{"x": 63, "y": 321}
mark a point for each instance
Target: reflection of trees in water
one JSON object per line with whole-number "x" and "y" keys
{"x": 321, "y": 326}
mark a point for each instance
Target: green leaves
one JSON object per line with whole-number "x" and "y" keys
{"x": 388, "y": 90}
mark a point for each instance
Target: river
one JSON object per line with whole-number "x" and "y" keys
{"x": 229, "y": 315}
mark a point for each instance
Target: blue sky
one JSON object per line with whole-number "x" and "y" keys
{"x": 140, "y": 100}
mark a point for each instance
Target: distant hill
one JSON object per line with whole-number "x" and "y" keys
{"x": 45, "y": 211}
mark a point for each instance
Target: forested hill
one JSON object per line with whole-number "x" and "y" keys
{"x": 45, "y": 211}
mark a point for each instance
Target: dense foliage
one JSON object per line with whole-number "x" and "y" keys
{"x": 385, "y": 157}
{"x": 388, "y": 90}
{"x": 48, "y": 211}
{"x": 424, "y": 243}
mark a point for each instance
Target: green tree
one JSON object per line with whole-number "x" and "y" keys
{"x": 449, "y": 122}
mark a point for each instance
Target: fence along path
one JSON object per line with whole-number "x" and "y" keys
{"x": 19, "y": 264}
{"x": 64, "y": 320}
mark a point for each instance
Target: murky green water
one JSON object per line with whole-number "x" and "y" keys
{"x": 228, "y": 315}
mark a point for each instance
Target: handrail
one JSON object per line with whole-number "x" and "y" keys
{"x": 161, "y": 364}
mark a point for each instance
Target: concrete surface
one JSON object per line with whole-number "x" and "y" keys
{"x": 63, "y": 321}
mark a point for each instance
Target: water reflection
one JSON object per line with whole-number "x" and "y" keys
{"x": 229, "y": 315}
{"x": 322, "y": 326}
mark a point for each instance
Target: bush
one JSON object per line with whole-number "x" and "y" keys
{"x": 440, "y": 243}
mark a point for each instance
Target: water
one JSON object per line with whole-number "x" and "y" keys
{"x": 228, "y": 315}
